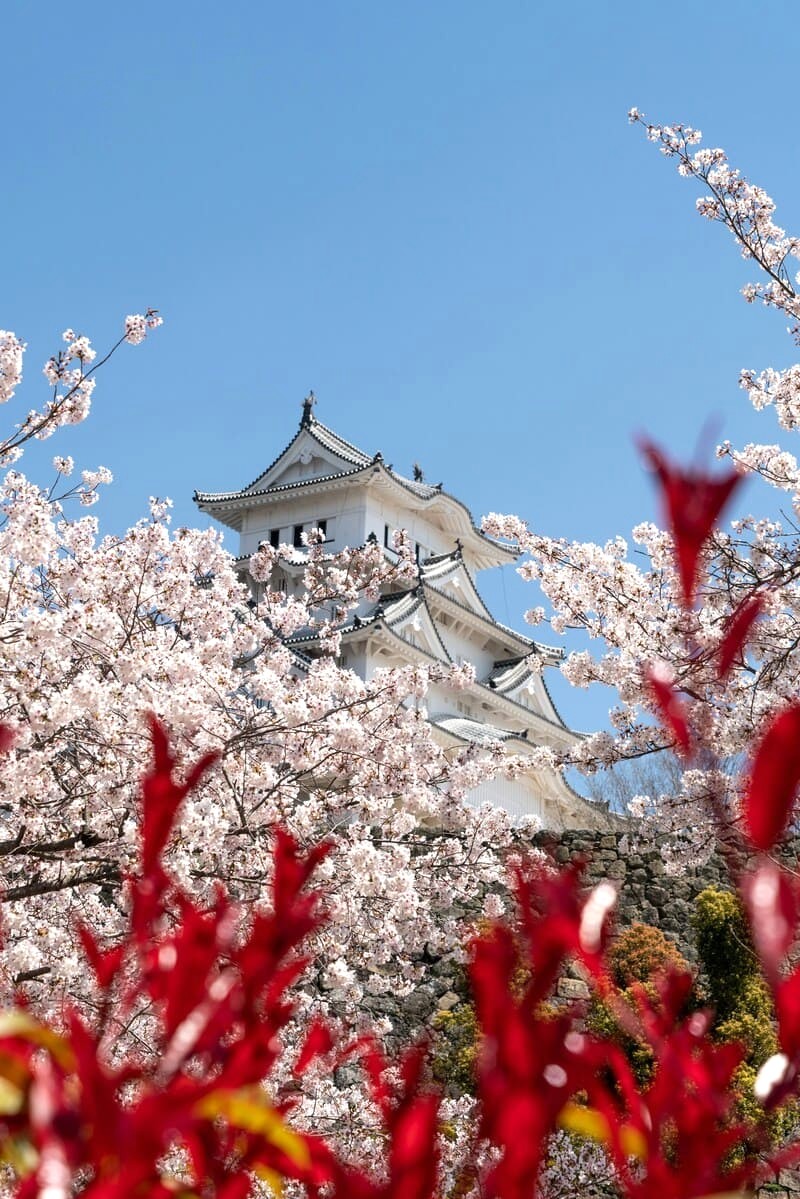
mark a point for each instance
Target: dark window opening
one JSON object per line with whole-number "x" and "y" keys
{"x": 386, "y": 536}
{"x": 274, "y": 538}
{"x": 322, "y": 525}
{"x": 298, "y": 537}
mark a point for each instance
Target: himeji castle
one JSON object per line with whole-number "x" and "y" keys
{"x": 322, "y": 481}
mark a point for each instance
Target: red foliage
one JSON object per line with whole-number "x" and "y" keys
{"x": 692, "y": 503}
{"x": 162, "y": 796}
{"x": 219, "y": 999}
{"x": 737, "y": 631}
{"x": 774, "y": 779}
{"x": 671, "y": 710}
{"x": 529, "y": 1066}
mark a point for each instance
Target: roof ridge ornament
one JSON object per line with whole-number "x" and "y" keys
{"x": 308, "y": 417}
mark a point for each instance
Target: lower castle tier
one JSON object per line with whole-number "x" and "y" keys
{"x": 321, "y": 481}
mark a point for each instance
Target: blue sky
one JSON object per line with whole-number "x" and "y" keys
{"x": 436, "y": 216}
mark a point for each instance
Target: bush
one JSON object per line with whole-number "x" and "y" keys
{"x": 742, "y": 1004}
{"x": 455, "y": 1049}
{"x": 638, "y": 955}
{"x": 726, "y": 952}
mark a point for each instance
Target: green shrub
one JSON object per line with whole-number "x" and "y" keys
{"x": 751, "y": 1022}
{"x": 455, "y": 1048}
{"x": 726, "y": 951}
{"x": 638, "y": 955}
{"x": 741, "y": 1001}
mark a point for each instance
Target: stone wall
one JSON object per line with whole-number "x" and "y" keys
{"x": 646, "y": 892}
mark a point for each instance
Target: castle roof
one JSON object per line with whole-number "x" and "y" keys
{"x": 343, "y": 464}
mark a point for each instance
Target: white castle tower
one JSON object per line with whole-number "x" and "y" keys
{"x": 322, "y": 481}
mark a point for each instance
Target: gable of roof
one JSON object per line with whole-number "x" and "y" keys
{"x": 339, "y": 457}
{"x": 338, "y": 460}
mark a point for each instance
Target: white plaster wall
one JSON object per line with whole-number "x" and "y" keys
{"x": 446, "y": 700}
{"x": 517, "y": 797}
{"x": 355, "y": 658}
{"x": 343, "y": 510}
{"x": 461, "y": 648}
{"x": 353, "y": 513}
{"x": 381, "y": 512}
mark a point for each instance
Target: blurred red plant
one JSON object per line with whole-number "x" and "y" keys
{"x": 70, "y": 1122}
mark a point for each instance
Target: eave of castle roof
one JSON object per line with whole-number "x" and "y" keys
{"x": 357, "y": 462}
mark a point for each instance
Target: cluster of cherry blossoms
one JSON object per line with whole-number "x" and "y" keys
{"x": 11, "y": 351}
{"x": 70, "y": 374}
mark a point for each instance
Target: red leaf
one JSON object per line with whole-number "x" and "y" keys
{"x": 787, "y": 1009}
{"x": 104, "y": 963}
{"x": 8, "y": 735}
{"x": 692, "y": 504}
{"x": 737, "y": 632}
{"x": 774, "y": 779}
{"x": 319, "y": 1040}
{"x": 162, "y": 796}
{"x": 375, "y": 1066}
{"x": 671, "y": 711}
{"x": 771, "y": 901}
{"x": 413, "y": 1157}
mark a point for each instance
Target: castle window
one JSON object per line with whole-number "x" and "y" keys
{"x": 298, "y": 537}
{"x": 322, "y": 525}
{"x": 274, "y": 538}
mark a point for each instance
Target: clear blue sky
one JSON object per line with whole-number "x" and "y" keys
{"x": 436, "y": 215}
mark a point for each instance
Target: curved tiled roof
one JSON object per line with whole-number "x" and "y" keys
{"x": 389, "y": 610}
{"x": 336, "y": 444}
{"x": 326, "y": 437}
{"x": 217, "y": 497}
{"x": 508, "y": 675}
{"x": 442, "y": 567}
{"x": 473, "y": 731}
{"x": 425, "y": 491}
{"x": 359, "y": 460}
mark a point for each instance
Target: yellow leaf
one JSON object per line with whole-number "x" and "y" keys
{"x": 249, "y": 1110}
{"x": 588, "y": 1122}
{"x": 585, "y": 1122}
{"x": 272, "y": 1178}
{"x": 14, "y": 1069}
{"x": 16, "y": 1023}
{"x": 11, "y": 1098}
{"x": 632, "y": 1142}
{"x": 20, "y": 1155}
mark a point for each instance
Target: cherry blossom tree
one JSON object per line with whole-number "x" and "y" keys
{"x": 656, "y": 615}
{"x": 97, "y": 632}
